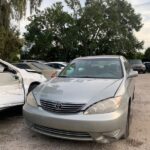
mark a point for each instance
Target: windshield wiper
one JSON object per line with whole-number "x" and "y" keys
{"x": 83, "y": 77}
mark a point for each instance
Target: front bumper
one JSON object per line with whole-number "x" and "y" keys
{"x": 99, "y": 127}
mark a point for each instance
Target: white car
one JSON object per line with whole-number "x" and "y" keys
{"x": 15, "y": 84}
{"x": 59, "y": 66}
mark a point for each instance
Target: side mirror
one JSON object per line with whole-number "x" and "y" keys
{"x": 133, "y": 74}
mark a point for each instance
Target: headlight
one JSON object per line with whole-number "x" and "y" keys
{"x": 31, "y": 100}
{"x": 106, "y": 106}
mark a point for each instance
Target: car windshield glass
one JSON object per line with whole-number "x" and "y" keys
{"x": 22, "y": 66}
{"x": 94, "y": 68}
{"x": 132, "y": 62}
{"x": 41, "y": 66}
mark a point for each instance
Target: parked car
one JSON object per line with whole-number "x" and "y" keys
{"x": 57, "y": 65}
{"x": 137, "y": 65}
{"x": 89, "y": 100}
{"x": 47, "y": 71}
{"x": 147, "y": 65}
{"x": 28, "y": 60}
{"x": 15, "y": 84}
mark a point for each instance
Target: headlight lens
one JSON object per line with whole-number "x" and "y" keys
{"x": 31, "y": 100}
{"x": 106, "y": 106}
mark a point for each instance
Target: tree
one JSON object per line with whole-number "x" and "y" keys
{"x": 107, "y": 26}
{"x": 99, "y": 27}
{"x": 139, "y": 55}
{"x": 15, "y": 9}
{"x": 10, "y": 44}
{"x": 147, "y": 54}
{"x": 51, "y": 32}
{"x": 9, "y": 39}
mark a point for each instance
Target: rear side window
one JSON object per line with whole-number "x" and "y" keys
{"x": 54, "y": 66}
{"x": 57, "y": 66}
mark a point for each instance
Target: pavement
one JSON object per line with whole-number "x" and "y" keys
{"x": 15, "y": 135}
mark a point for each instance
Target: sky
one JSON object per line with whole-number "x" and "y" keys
{"x": 141, "y": 7}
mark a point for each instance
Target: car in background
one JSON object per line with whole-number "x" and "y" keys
{"x": 91, "y": 99}
{"x": 59, "y": 66}
{"x": 47, "y": 71}
{"x": 147, "y": 65}
{"x": 15, "y": 84}
{"x": 39, "y": 61}
{"x": 137, "y": 65}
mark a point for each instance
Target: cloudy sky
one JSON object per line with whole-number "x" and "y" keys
{"x": 141, "y": 6}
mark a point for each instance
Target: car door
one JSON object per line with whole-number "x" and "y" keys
{"x": 11, "y": 89}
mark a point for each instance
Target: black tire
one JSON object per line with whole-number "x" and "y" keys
{"x": 126, "y": 134}
{"x": 143, "y": 72}
{"x": 32, "y": 86}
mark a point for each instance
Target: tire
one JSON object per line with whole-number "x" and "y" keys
{"x": 127, "y": 130}
{"x": 32, "y": 86}
{"x": 143, "y": 72}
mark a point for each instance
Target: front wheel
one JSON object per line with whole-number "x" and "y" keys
{"x": 126, "y": 134}
{"x": 143, "y": 72}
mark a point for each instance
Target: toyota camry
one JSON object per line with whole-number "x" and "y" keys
{"x": 89, "y": 100}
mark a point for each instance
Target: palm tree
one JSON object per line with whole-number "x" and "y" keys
{"x": 15, "y": 9}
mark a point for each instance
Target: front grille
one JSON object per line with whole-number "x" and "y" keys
{"x": 61, "y": 107}
{"x": 62, "y": 133}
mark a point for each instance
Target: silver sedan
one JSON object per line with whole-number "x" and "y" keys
{"x": 89, "y": 100}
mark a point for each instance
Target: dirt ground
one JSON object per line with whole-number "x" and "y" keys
{"x": 14, "y": 134}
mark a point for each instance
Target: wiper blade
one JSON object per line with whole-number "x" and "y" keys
{"x": 83, "y": 77}
{"x": 92, "y": 77}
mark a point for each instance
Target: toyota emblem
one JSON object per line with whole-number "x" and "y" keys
{"x": 58, "y": 106}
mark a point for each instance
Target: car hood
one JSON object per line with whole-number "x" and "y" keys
{"x": 71, "y": 90}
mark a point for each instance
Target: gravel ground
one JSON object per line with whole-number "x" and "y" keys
{"x": 14, "y": 134}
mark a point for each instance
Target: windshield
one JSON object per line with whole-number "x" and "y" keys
{"x": 22, "y": 66}
{"x": 135, "y": 61}
{"x": 94, "y": 68}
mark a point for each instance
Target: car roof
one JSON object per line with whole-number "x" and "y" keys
{"x": 38, "y": 61}
{"x": 101, "y": 56}
{"x": 57, "y": 62}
